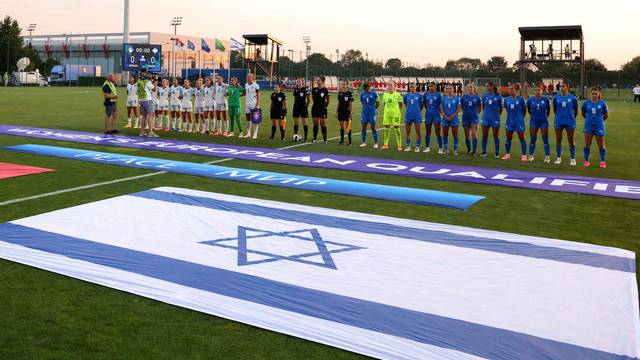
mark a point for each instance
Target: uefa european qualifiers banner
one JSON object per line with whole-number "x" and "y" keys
{"x": 478, "y": 175}
{"x": 343, "y": 187}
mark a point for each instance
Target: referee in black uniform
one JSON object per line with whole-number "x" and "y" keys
{"x": 278, "y": 111}
{"x": 320, "y": 96}
{"x": 300, "y": 108}
{"x": 344, "y": 110}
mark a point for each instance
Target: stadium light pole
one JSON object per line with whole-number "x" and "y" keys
{"x": 307, "y": 41}
{"x": 125, "y": 37}
{"x": 175, "y": 22}
{"x": 30, "y": 29}
{"x": 290, "y": 61}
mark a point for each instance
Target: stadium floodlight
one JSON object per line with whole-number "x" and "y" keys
{"x": 30, "y": 29}
{"x": 175, "y": 22}
{"x": 307, "y": 40}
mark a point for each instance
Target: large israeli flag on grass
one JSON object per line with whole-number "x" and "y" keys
{"x": 385, "y": 287}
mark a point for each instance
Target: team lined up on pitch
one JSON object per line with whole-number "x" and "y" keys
{"x": 215, "y": 108}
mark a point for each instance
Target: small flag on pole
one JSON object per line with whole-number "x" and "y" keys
{"x": 219, "y": 45}
{"x": 179, "y": 43}
{"x": 236, "y": 45}
{"x": 204, "y": 46}
{"x": 190, "y": 45}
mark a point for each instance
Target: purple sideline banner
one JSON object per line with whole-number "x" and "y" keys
{"x": 478, "y": 175}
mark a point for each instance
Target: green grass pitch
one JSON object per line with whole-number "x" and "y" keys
{"x": 48, "y": 316}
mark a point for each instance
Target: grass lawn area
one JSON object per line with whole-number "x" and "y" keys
{"x": 48, "y": 316}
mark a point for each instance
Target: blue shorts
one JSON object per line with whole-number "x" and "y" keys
{"x": 368, "y": 118}
{"x": 594, "y": 129}
{"x": 469, "y": 122}
{"x": 538, "y": 124}
{"x": 454, "y": 122}
{"x": 412, "y": 120}
{"x": 564, "y": 125}
{"x": 514, "y": 127}
{"x": 432, "y": 118}
{"x": 494, "y": 123}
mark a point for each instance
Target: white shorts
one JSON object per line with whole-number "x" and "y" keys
{"x": 208, "y": 107}
{"x": 163, "y": 107}
{"x": 199, "y": 110}
{"x": 248, "y": 108}
{"x": 221, "y": 107}
{"x": 187, "y": 109}
{"x": 132, "y": 103}
{"x": 176, "y": 107}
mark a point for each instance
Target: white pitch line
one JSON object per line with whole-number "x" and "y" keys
{"x": 58, "y": 192}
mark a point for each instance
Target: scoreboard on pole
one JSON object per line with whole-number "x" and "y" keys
{"x": 142, "y": 57}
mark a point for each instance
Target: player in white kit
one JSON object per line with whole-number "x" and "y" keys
{"x": 163, "y": 106}
{"x": 176, "y": 105}
{"x": 132, "y": 102}
{"x": 199, "y": 93}
{"x": 251, "y": 102}
{"x": 187, "y": 108}
{"x": 220, "y": 105}
{"x": 208, "y": 106}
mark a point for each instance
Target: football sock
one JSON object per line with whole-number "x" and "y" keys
{"x": 545, "y": 141}
{"x": 532, "y": 145}
{"x": 603, "y": 154}
{"x": 572, "y": 150}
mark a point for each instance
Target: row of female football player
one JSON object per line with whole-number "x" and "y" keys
{"x": 442, "y": 115}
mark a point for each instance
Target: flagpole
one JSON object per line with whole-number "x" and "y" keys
{"x": 199, "y": 65}
{"x": 229, "y": 63}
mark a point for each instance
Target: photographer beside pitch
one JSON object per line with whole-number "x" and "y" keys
{"x": 110, "y": 95}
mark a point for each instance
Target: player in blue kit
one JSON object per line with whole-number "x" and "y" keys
{"x": 413, "y": 115}
{"x": 491, "y": 112}
{"x": 370, "y": 103}
{"x": 432, "y": 100}
{"x": 539, "y": 108}
{"x": 595, "y": 112}
{"x": 471, "y": 107}
{"x": 516, "y": 109}
{"x": 565, "y": 109}
{"x": 450, "y": 108}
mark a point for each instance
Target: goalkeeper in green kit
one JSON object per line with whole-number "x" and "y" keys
{"x": 234, "y": 92}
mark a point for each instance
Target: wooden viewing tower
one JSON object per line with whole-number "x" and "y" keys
{"x": 261, "y": 52}
{"x": 538, "y": 47}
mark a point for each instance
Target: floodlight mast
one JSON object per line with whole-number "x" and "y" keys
{"x": 175, "y": 22}
{"x": 307, "y": 41}
{"x": 125, "y": 37}
{"x": 30, "y": 29}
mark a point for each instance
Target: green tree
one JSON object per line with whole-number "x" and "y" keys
{"x": 590, "y": 65}
{"x": 236, "y": 60}
{"x": 393, "y": 64}
{"x": 351, "y": 57}
{"x": 10, "y": 43}
{"x": 633, "y": 66}
{"x": 497, "y": 63}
